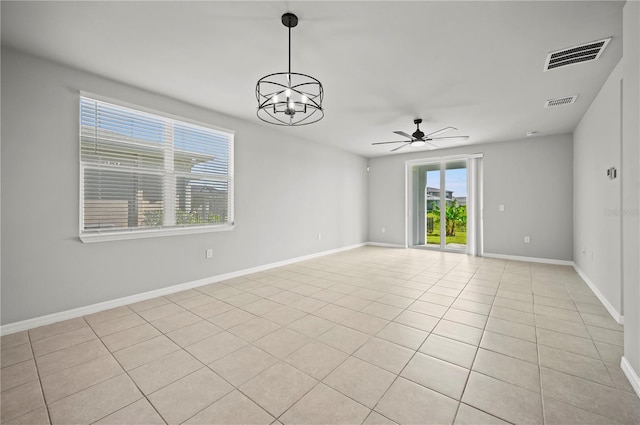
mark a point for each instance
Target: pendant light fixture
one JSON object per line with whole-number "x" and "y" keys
{"x": 289, "y": 98}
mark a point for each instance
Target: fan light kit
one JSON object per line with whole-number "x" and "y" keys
{"x": 418, "y": 138}
{"x": 289, "y": 98}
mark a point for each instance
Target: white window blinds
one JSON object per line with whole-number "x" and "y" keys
{"x": 142, "y": 172}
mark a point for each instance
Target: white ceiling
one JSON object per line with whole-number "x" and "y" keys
{"x": 474, "y": 65}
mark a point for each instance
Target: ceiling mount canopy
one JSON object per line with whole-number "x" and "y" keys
{"x": 289, "y": 98}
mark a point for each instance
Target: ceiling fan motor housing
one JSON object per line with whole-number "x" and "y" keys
{"x": 418, "y": 134}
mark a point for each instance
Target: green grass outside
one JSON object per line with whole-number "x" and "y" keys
{"x": 459, "y": 238}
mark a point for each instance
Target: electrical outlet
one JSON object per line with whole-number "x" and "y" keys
{"x": 319, "y": 236}
{"x": 500, "y": 207}
{"x": 384, "y": 230}
{"x": 527, "y": 239}
{"x": 208, "y": 253}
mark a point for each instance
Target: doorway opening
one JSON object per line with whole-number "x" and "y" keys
{"x": 443, "y": 204}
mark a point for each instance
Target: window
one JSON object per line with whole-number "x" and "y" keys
{"x": 143, "y": 174}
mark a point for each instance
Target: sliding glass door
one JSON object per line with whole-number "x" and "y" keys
{"x": 454, "y": 234}
{"x": 439, "y": 202}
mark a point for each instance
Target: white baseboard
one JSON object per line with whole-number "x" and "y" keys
{"x": 631, "y": 375}
{"x": 611, "y": 309}
{"x": 95, "y": 308}
{"x": 386, "y": 245}
{"x": 528, "y": 259}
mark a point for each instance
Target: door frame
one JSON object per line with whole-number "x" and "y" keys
{"x": 408, "y": 196}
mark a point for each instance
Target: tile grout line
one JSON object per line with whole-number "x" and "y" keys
{"x": 618, "y": 390}
{"x": 464, "y": 388}
{"x": 417, "y": 350}
{"x": 321, "y": 381}
{"x": 207, "y": 365}
{"x": 535, "y": 327}
{"x": 564, "y": 372}
{"x": 222, "y": 377}
{"x": 347, "y": 358}
{"x": 35, "y": 363}
{"x": 318, "y": 381}
{"x": 203, "y": 365}
{"x": 125, "y": 372}
{"x": 47, "y": 404}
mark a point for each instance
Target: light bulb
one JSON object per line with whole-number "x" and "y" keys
{"x": 304, "y": 99}
{"x": 291, "y": 106}
{"x": 275, "y": 98}
{"x": 287, "y": 93}
{"x": 418, "y": 143}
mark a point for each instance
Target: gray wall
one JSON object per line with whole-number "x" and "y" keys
{"x": 287, "y": 191}
{"x": 609, "y": 135}
{"x": 596, "y": 198}
{"x": 631, "y": 184}
{"x": 532, "y": 178}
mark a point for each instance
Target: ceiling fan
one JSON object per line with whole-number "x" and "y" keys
{"x": 418, "y": 138}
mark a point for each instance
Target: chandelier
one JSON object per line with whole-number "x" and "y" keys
{"x": 289, "y": 98}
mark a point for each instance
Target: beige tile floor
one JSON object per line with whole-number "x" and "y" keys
{"x": 367, "y": 336}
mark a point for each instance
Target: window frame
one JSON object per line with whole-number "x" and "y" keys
{"x": 149, "y": 232}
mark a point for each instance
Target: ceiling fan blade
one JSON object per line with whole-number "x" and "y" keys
{"x": 402, "y": 133}
{"x": 461, "y": 138}
{"x": 442, "y": 130}
{"x": 400, "y": 147}
{"x": 384, "y": 143}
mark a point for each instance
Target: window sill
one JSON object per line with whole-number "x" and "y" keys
{"x": 151, "y": 233}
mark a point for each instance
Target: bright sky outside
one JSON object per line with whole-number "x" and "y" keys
{"x": 456, "y": 180}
